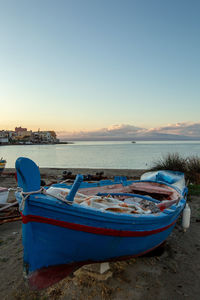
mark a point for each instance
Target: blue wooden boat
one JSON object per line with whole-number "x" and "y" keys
{"x": 60, "y": 236}
{"x": 2, "y": 164}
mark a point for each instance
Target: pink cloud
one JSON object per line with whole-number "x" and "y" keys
{"x": 129, "y": 132}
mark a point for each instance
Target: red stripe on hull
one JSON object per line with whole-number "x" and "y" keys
{"x": 90, "y": 229}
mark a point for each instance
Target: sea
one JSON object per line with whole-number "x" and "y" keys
{"x": 101, "y": 154}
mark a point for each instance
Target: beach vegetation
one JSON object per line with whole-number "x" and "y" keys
{"x": 194, "y": 189}
{"x": 193, "y": 169}
{"x": 172, "y": 161}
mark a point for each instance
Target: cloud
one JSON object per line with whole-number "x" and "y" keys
{"x": 130, "y": 132}
{"x": 185, "y": 129}
{"x": 117, "y": 131}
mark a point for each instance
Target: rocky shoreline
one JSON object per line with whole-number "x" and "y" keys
{"x": 32, "y": 144}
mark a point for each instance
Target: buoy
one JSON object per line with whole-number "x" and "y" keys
{"x": 186, "y": 217}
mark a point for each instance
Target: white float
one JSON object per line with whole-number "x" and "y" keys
{"x": 186, "y": 217}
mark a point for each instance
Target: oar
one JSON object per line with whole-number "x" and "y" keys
{"x": 75, "y": 187}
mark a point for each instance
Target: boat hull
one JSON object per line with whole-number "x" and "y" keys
{"x": 47, "y": 276}
{"x": 2, "y": 167}
{"x": 60, "y": 235}
{"x": 60, "y": 243}
{"x": 2, "y": 164}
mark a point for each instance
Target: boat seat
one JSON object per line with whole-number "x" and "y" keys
{"x": 28, "y": 174}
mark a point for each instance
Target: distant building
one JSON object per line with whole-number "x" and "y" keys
{"x": 53, "y": 134}
{"x": 4, "y": 137}
{"x": 22, "y": 134}
{"x": 45, "y": 137}
{"x": 20, "y": 129}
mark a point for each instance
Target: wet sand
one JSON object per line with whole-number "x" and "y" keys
{"x": 172, "y": 272}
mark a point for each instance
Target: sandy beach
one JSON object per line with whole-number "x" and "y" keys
{"x": 170, "y": 272}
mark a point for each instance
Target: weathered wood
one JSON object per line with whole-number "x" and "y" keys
{"x": 9, "y": 217}
{"x": 8, "y": 205}
{"x": 10, "y": 220}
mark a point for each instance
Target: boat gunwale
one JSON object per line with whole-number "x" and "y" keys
{"x": 123, "y": 183}
{"x": 79, "y": 211}
{"x": 75, "y": 210}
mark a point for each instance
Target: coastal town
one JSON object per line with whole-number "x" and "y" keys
{"x": 22, "y": 136}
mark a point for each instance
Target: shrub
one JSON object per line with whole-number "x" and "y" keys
{"x": 194, "y": 189}
{"x": 193, "y": 164}
{"x": 193, "y": 169}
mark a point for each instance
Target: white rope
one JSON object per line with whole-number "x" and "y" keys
{"x": 17, "y": 189}
{"x": 66, "y": 180}
{"x": 42, "y": 190}
{"x": 25, "y": 195}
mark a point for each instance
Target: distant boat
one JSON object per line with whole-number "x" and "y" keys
{"x": 2, "y": 164}
{"x": 62, "y": 234}
{"x": 133, "y": 142}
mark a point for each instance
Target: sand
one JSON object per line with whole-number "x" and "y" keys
{"x": 170, "y": 272}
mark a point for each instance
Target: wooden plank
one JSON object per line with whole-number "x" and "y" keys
{"x": 8, "y": 205}
{"x": 10, "y": 220}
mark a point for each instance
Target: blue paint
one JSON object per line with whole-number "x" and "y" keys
{"x": 28, "y": 174}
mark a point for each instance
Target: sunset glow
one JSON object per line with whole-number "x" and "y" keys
{"x": 80, "y": 66}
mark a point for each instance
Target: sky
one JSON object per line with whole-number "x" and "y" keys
{"x": 84, "y": 66}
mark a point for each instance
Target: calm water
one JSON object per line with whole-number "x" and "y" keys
{"x": 118, "y": 155}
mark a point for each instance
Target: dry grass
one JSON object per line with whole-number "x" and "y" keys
{"x": 172, "y": 161}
